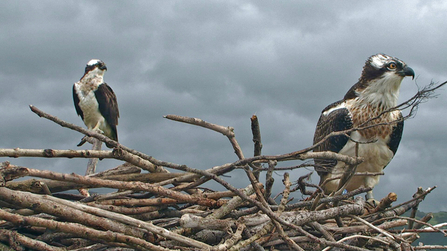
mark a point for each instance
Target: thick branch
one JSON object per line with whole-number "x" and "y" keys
{"x": 136, "y": 186}
{"x": 79, "y": 230}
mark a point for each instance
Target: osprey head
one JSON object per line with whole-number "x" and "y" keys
{"x": 95, "y": 66}
{"x": 380, "y": 80}
{"x": 381, "y": 65}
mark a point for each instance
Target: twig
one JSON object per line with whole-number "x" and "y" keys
{"x": 423, "y": 221}
{"x": 357, "y": 237}
{"x": 373, "y": 227}
{"x": 227, "y": 131}
{"x": 281, "y": 208}
{"x": 415, "y": 208}
{"x": 428, "y": 228}
{"x": 231, "y": 205}
{"x": 423, "y": 247}
{"x": 403, "y": 207}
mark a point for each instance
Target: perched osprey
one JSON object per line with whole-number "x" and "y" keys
{"x": 95, "y": 101}
{"x": 375, "y": 92}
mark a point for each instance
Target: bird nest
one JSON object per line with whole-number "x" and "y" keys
{"x": 146, "y": 207}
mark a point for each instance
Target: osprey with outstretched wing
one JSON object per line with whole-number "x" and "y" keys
{"x": 366, "y": 105}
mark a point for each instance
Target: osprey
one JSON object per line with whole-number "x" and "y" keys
{"x": 95, "y": 101}
{"x": 366, "y": 104}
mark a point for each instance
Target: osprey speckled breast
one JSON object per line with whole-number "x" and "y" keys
{"x": 366, "y": 105}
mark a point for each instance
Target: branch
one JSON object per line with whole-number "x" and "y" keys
{"x": 135, "y": 185}
{"x": 79, "y": 230}
{"x": 227, "y": 131}
{"x": 256, "y": 132}
{"x": 15, "y": 239}
{"x": 91, "y": 166}
{"x": 96, "y": 135}
{"x": 52, "y": 153}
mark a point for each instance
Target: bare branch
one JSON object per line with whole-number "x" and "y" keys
{"x": 227, "y": 131}
{"x": 80, "y": 231}
{"x": 96, "y": 135}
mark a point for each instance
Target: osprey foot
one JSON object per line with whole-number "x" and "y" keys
{"x": 372, "y": 202}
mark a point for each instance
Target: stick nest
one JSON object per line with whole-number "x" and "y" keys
{"x": 147, "y": 207}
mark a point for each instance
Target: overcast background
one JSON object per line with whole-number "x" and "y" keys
{"x": 221, "y": 61}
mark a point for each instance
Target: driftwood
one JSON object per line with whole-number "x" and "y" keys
{"x": 147, "y": 207}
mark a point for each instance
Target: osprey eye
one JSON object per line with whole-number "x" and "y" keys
{"x": 392, "y": 66}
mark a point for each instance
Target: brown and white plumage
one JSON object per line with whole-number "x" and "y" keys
{"x": 376, "y": 92}
{"x": 95, "y": 101}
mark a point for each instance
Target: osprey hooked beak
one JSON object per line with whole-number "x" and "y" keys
{"x": 406, "y": 71}
{"x": 104, "y": 67}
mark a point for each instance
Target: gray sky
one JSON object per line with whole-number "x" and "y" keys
{"x": 221, "y": 61}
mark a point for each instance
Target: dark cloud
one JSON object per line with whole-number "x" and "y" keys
{"x": 221, "y": 61}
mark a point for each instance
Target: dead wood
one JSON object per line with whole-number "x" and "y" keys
{"x": 147, "y": 207}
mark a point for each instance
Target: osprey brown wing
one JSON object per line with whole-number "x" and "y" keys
{"x": 108, "y": 106}
{"x": 334, "y": 121}
{"x": 76, "y": 103}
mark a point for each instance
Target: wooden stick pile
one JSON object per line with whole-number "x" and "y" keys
{"x": 146, "y": 207}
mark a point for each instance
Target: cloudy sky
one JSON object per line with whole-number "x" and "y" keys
{"x": 221, "y": 61}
